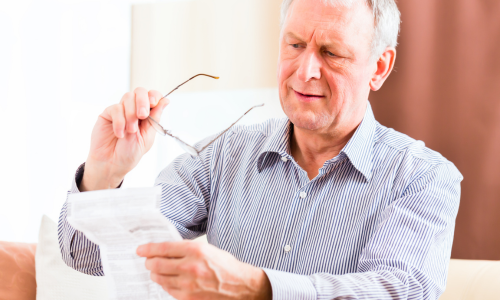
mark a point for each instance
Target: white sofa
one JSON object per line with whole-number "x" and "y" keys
{"x": 473, "y": 280}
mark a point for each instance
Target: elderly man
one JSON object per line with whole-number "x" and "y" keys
{"x": 326, "y": 204}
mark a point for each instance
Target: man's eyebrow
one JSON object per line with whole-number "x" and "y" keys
{"x": 330, "y": 44}
{"x": 294, "y": 36}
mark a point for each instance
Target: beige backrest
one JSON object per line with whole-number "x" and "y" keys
{"x": 236, "y": 40}
{"x": 473, "y": 280}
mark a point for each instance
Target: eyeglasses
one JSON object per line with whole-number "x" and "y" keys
{"x": 188, "y": 148}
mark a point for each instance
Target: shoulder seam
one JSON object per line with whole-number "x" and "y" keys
{"x": 407, "y": 147}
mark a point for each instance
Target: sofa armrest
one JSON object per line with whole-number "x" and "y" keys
{"x": 472, "y": 279}
{"x": 17, "y": 271}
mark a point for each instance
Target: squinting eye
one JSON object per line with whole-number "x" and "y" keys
{"x": 296, "y": 46}
{"x": 330, "y": 54}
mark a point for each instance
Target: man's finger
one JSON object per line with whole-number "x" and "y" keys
{"x": 115, "y": 115}
{"x": 165, "y": 249}
{"x": 164, "y": 266}
{"x": 154, "y": 97}
{"x": 157, "y": 111}
{"x": 167, "y": 282}
{"x": 141, "y": 103}
{"x": 118, "y": 118}
{"x": 128, "y": 102}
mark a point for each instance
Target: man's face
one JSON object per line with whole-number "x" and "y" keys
{"x": 324, "y": 67}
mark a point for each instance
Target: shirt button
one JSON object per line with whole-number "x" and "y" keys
{"x": 303, "y": 195}
{"x": 288, "y": 248}
{"x": 284, "y": 159}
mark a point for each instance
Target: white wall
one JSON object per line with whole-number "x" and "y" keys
{"x": 61, "y": 64}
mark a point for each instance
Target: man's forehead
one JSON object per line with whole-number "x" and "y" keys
{"x": 329, "y": 15}
{"x": 328, "y": 8}
{"x": 328, "y": 22}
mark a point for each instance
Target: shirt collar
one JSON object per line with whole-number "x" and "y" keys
{"x": 278, "y": 142}
{"x": 359, "y": 149}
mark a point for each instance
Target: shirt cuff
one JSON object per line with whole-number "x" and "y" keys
{"x": 290, "y": 286}
{"x": 77, "y": 179}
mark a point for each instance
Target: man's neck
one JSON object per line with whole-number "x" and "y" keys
{"x": 311, "y": 149}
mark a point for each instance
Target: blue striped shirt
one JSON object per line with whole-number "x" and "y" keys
{"x": 376, "y": 223}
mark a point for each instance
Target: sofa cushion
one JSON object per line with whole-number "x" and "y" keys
{"x": 17, "y": 271}
{"x": 57, "y": 281}
{"x": 473, "y": 280}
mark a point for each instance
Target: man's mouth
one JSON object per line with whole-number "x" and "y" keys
{"x": 307, "y": 97}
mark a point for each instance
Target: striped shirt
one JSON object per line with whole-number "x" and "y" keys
{"x": 377, "y": 222}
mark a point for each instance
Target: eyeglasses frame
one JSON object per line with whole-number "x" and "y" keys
{"x": 191, "y": 149}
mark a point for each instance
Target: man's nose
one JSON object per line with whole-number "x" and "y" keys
{"x": 310, "y": 67}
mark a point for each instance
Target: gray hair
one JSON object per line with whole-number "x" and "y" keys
{"x": 387, "y": 20}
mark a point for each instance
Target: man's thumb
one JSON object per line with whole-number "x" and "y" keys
{"x": 157, "y": 111}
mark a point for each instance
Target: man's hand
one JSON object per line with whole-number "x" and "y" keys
{"x": 193, "y": 270}
{"x": 121, "y": 136}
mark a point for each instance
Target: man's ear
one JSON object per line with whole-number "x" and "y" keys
{"x": 385, "y": 64}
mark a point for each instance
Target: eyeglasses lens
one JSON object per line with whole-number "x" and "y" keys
{"x": 157, "y": 127}
{"x": 187, "y": 148}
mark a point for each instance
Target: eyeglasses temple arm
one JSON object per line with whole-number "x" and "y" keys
{"x": 164, "y": 130}
{"x": 204, "y": 147}
{"x": 214, "y": 77}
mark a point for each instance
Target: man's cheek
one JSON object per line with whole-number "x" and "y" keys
{"x": 286, "y": 68}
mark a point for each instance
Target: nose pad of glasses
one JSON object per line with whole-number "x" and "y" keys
{"x": 189, "y": 149}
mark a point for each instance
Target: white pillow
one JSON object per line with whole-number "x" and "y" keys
{"x": 54, "y": 279}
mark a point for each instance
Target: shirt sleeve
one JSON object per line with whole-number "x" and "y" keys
{"x": 184, "y": 201}
{"x": 186, "y": 191}
{"x": 77, "y": 251}
{"x": 406, "y": 258}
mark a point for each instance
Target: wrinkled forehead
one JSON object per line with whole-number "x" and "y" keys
{"x": 346, "y": 3}
{"x": 285, "y": 5}
{"x": 349, "y": 21}
{"x": 329, "y": 11}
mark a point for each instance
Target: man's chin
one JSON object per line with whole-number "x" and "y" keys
{"x": 308, "y": 120}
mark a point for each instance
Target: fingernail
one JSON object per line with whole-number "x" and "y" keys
{"x": 121, "y": 134}
{"x": 143, "y": 112}
{"x": 152, "y": 100}
{"x": 140, "y": 250}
